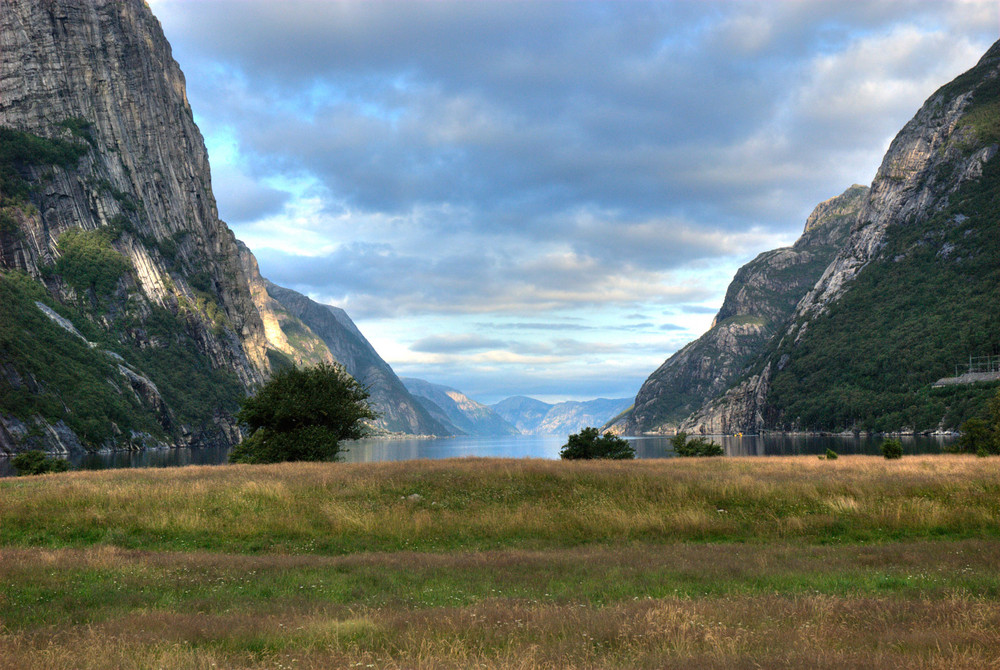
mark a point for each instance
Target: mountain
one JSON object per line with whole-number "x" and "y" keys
{"x": 761, "y": 297}
{"x": 912, "y": 292}
{"x": 534, "y": 417}
{"x": 458, "y": 410}
{"x": 398, "y": 410}
{"x": 132, "y": 317}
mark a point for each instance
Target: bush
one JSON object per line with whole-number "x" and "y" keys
{"x": 892, "y": 449}
{"x": 35, "y": 462}
{"x": 697, "y": 446}
{"x": 302, "y": 414}
{"x": 831, "y": 455}
{"x": 981, "y": 436}
{"x": 589, "y": 443}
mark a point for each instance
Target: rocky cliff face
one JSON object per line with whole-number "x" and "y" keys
{"x": 102, "y": 72}
{"x": 98, "y": 137}
{"x": 907, "y": 295}
{"x": 132, "y": 316}
{"x": 762, "y": 295}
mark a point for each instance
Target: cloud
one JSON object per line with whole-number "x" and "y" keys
{"x": 449, "y": 344}
{"x": 520, "y": 169}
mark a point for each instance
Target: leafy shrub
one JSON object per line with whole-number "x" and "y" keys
{"x": 697, "y": 446}
{"x": 589, "y": 444}
{"x": 980, "y": 435}
{"x": 88, "y": 261}
{"x": 892, "y": 449}
{"x": 35, "y": 462}
{"x": 302, "y": 414}
{"x": 831, "y": 455}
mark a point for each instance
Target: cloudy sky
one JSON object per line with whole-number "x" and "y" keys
{"x": 545, "y": 198}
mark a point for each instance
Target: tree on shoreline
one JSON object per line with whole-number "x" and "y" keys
{"x": 302, "y": 414}
{"x": 589, "y": 444}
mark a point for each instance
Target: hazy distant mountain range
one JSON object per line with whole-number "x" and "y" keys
{"x": 534, "y": 417}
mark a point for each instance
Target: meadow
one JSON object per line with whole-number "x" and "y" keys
{"x": 490, "y": 563}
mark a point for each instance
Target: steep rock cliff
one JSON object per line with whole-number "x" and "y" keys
{"x": 762, "y": 295}
{"x": 912, "y": 292}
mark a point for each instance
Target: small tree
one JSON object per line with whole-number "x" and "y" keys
{"x": 981, "y": 434}
{"x": 892, "y": 449}
{"x": 697, "y": 446}
{"x": 35, "y": 462}
{"x": 589, "y": 443}
{"x": 302, "y": 414}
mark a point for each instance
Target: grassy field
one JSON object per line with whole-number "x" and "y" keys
{"x": 728, "y": 563}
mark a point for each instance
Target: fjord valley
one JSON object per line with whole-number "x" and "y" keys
{"x": 132, "y": 318}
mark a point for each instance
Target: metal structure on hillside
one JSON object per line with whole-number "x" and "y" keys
{"x": 979, "y": 364}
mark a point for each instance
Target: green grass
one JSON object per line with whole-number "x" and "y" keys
{"x": 481, "y": 504}
{"x": 506, "y": 564}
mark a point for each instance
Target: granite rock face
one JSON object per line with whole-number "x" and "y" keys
{"x": 189, "y": 325}
{"x": 762, "y": 295}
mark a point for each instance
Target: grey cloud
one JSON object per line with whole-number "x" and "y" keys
{"x": 671, "y": 326}
{"x": 242, "y": 199}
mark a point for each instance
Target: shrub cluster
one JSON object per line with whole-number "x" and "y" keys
{"x": 697, "y": 446}
{"x": 892, "y": 449}
{"x": 35, "y": 462}
{"x": 589, "y": 444}
{"x": 302, "y": 414}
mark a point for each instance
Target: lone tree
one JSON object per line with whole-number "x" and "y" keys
{"x": 302, "y": 414}
{"x": 589, "y": 443}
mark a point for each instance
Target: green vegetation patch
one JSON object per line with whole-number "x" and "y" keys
{"x": 72, "y": 382}
{"x": 87, "y": 261}
{"x": 483, "y": 504}
{"x": 906, "y": 321}
{"x": 20, "y": 150}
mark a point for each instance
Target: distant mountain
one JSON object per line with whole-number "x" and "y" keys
{"x": 534, "y": 417}
{"x": 461, "y": 412}
{"x": 398, "y": 410}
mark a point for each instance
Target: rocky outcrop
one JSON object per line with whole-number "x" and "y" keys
{"x": 284, "y": 332}
{"x": 761, "y": 297}
{"x": 398, "y": 411}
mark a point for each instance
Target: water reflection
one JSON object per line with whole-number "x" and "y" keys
{"x": 525, "y": 446}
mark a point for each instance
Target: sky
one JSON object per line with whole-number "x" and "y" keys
{"x": 546, "y": 198}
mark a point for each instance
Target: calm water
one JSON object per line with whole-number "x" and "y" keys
{"x": 540, "y": 446}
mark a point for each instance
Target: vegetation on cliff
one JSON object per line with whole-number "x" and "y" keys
{"x": 869, "y": 360}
